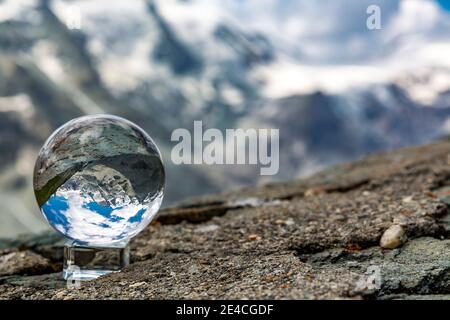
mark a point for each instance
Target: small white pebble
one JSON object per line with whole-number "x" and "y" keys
{"x": 207, "y": 228}
{"x": 366, "y": 193}
{"x": 407, "y": 199}
{"x": 137, "y": 284}
{"x": 393, "y": 237}
{"x": 289, "y": 222}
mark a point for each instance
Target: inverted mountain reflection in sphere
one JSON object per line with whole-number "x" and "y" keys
{"x": 99, "y": 180}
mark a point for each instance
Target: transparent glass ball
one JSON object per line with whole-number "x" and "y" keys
{"x": 99, "y": 180}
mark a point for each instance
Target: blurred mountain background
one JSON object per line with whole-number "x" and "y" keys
{"x": 334, "y": 88}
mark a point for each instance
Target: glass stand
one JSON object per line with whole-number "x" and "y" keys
{"x": 88, "y": 263}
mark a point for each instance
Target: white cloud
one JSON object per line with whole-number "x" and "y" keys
{"x": 88, "y": 226}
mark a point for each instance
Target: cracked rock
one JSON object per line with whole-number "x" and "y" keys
{"x": 23, "y": 263}
{"x": 317, "y": 238}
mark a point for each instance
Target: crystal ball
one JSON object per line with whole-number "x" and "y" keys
{"x": 99, "y": 180}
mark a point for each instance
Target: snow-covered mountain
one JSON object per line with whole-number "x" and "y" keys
{"x": 335, "y": 89}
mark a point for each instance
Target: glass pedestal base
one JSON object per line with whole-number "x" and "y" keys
{"x": 87, "y": 263}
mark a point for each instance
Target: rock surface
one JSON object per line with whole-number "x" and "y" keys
{"x": 23, "y": 262}
{"x": 314, "y": 238}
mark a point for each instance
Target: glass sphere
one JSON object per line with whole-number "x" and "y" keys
{"x": 99, "y": 180}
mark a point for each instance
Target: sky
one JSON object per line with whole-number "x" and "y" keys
{"x": 444, "y": 4}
